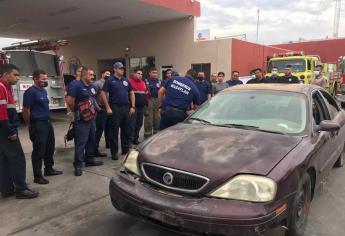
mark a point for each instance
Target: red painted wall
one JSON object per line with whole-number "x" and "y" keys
{"x": 186, "y": 6}
{"x": 329, "y": 50}
{"x": 246, "y": 56}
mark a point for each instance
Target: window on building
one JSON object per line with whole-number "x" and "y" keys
{"x": 204, "y": 67}
{"x": 144, "y": 63}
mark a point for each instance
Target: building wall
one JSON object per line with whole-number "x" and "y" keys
{"x": 170, "y": 42}
{"x": 329, "y": 50}
{"x": 247, "y": 56}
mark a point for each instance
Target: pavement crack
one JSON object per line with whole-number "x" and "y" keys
{"x": 57, "y": 215}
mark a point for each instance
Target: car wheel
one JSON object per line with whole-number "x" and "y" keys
{"x": 300, "y": 209}
{"x": 341, "y": 160}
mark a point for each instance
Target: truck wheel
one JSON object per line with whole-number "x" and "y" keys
{"x": 341, "y": 160}
{"x": 300, "y": 208}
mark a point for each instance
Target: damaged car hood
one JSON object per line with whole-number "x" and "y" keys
{"x": 217, "y": 152}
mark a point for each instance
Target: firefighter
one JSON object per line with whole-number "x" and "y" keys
{"x": 12, "y": 159}
{"x": 235, "y": 79}
{"x": 204, "y": 87}
{"x": 288, "y": 78}
{"x": 274, "y": 78}
{"x": 257, "y": 77}
{"x": 37, "y": 119}
{"x": 122, "y": 106}
{"x": 140, "y": 91}
{"x": 80, "y": 100}
{"x": 175, "y": 98}
{"x": 152, "y": 119}
{"x": 319, "y": 78}
{"x": 101, "y": 117}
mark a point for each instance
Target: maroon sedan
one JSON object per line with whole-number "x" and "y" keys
{"x": 247, "y": 161}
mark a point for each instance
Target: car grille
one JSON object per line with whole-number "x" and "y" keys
{"x": 174, "y": 179}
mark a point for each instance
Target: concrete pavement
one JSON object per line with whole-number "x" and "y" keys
{"x": 72, "y": 205}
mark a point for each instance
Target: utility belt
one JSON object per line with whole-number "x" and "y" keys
{"x": 174, "y": 109}
{"x": 33, "y": 122}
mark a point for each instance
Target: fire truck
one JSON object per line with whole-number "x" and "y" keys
{"x": 302, "y": 65}
{"x": 37, "y": 54}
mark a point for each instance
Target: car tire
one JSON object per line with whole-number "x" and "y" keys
{"x": 300, "y": 208}
{"x": 341, "y": 160}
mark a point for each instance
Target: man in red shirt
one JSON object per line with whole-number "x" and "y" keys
{"x": 12, "y": 158}
{"x": 140, "y": 92}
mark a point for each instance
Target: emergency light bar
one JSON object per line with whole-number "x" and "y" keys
{"x": 289, "y": 54}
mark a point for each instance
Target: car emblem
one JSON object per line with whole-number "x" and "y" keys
{"x": 168, "y": 178}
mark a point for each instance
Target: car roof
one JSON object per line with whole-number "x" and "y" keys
{"x": 296, "y": 88}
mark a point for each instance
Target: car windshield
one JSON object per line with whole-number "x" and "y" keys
{"x": 266, "y": 111}
{"x": 297, "y": 65}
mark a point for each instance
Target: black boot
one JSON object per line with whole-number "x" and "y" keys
{"x": 100, "y": 154}
{"x": 52, "y": 172}
{"x": 26, "y": 194}
{"x": 93, "y": 163}
{"x": 78, "y": 171}
{"x": 40, "y": 180}
{"x": 8, "y": 194}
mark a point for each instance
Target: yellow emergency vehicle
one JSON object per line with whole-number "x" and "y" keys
{"x": 302, "y": 65}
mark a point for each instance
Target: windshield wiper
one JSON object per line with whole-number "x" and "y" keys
{"x": 250, "y": 127}
{"x": 201, "y": 120}
{"x": 239, "y": 126}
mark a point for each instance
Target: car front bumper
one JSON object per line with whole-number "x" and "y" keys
{"x": 188, "y": 214}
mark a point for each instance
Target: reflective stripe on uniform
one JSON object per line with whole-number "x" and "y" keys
{"x": 3, "y": 102}
{"x": 11, "y": 105}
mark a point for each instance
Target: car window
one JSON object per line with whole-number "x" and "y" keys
{"x": 319, "y": 110}
{"x": 331, "y": 104}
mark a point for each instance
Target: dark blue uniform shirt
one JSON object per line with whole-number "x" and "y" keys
{"x": 180, "y": 92}
{"x": 81, "y": 92}
{"x": 37, "y": 101}
{"x": 118, "y": 90}
{"x": 204, "y": 88}
{"x": 234, "y": 82}
{"x": 154, "y": 85}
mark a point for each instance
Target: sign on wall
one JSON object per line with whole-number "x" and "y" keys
{"x": 202, "y": 35}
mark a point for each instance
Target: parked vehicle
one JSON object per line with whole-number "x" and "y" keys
{"x": 31, "y": 55}
{"x": 248, "y": 160}
{"x": 301, "y": 64}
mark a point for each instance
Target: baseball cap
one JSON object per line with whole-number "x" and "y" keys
{"x": 118, "y": 65}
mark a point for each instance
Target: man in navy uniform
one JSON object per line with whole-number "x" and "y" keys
{"x": 122, "y": 106}
{"x": 175, "y": 98}
{"x": 204, "y": 87}
{"x": 12, "y": 159}
{"x": 288, "y": 78}
{"x": 235, "y": 79}
{"x": 37, "y": 119}
{"x": 80, "y": 95}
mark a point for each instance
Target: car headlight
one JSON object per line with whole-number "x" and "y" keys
{"x": 247, "y": 188}
{"x": 131, "y": 162}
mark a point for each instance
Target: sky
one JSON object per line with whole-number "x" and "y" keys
{"x": 281, "y": 21}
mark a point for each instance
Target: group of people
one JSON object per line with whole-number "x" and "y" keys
{"x": 111, "y": 105}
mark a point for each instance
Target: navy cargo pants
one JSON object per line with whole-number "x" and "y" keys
{"x": 101, "y": 120}
{"x": 136, "y": 122}
{"x": 84, "y": 139}
{"x": 120, "y": 121}
{"x": 12, "y": 165}
{"x": 43, "y": 143}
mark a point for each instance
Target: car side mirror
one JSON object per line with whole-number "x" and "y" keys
{"x": 329, "y": 126}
